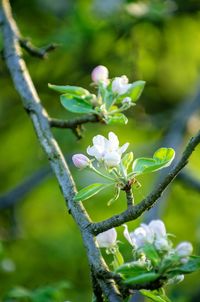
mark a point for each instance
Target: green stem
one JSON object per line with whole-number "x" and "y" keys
{"x": 101, "y": 174}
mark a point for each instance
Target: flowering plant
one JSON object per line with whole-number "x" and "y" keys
{"x": 113, "y": 96}
{"x": 114, "y": 165}
{"x": 154, "y": 260}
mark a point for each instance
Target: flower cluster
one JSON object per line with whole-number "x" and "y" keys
{"x": 154, "y": 256}
{"x": 113, "y": 96}
{"x": 116, "y": 165}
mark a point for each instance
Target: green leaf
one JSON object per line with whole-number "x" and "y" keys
{"x": 89, "y": 191}
{"x": 155, "y": 295}
{"x": 191, "y": 266}
{"x": 142, "y": 278}
{"x": 162, "y": 158}
{"x": 134, "y": 92}
{"x": 74, "y": 90}
{"x": 76, "y": 104}
{"x": 151, "y": 253}
{"x": 132, "y": 269}
{"x": 127, "y": 160}
{"x": 118, "y": 118}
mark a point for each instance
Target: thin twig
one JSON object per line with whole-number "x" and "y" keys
{"x": 137, "y": 210}
{"x": 57, "y": 123}
{"x": 34, "y": 51}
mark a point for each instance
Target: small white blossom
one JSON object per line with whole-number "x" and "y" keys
{"x": 158, "y": 228}
{"x": 107, "y": 150}
{"x": 184, "y": 249}
{"x": 120, "y": 85}
{"x": 99, "y": 73}
{"x": 141, "y": 236}
{"x": 80, "y": 161}
{"x": 162, "y": 244}
{"x": 107, "y": 239}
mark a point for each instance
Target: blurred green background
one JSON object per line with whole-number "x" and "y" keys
{"x": 156, "y": 41}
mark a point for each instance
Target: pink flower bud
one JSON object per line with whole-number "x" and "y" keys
{"x": 80, "y": 161}
{"x": 99, "y": 73}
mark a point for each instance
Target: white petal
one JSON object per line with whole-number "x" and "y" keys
{"x": 127, "y": 235}
{"x": 107, "y": 239}
{"x": 113, "y": 140}
{"x": 112, "y": 159}
{"x": 93, "y": 151}
{"x": 123, "y": 148}
{"x": 158, "y": 228}
{"x": 99, "y": 140}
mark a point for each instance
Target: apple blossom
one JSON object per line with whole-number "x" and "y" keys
{"x": 184, "y": 249}
{"x": 120, "y": 85}
{"x": 107, "y": 239}
{"x": 80, "y": 161}
{"x": 158, "y": 228}
{"x": 107, "y": 150}
{"x": 99, "y": 73}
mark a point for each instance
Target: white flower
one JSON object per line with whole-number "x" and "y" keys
{"x": 99, "y": 73}
{"x": 80, "y": 161}
{"x": 107, "y": 239}
{"x": 139, "y": 237}
{"x": 107, "y": 150}
{"x": 158, "y": 228}
{"x": 184, "y": 249}
{"x": 120, "y": 85}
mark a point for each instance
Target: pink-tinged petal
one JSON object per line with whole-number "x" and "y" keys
{"x": 80, "y": 161}
{"x": 99, "y": 73}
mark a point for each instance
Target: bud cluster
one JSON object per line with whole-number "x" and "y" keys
{"x": 153, "y": 252}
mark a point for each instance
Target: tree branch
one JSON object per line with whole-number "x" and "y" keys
{"x": 34, "y": 51}
{"x": 137, "y": 210}
{"x": 90, "y": 118}
{"x": 39, "y": 117}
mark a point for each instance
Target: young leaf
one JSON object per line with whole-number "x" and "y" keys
{"x": 142, "y": 278}
{"x": 127, "y": 160}
{"x": 191, "y": 266}
{"x": 89, "y": 191}
{"x": 162, "y": 158}
{"x": 74, "y": 90}
{"x": 155, "y": 295}
{"x": 131, "y": 269}
{"x": 76, "y": 104}
{"x": 118, "y": 118}
{"x": 136, "y": 90}
{"x": 151, "y": 253}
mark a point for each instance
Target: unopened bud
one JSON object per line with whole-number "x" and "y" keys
{"x": 80, "y": 161}
{"x": 184, "y": 249}
{"x": 99, "y": 73}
